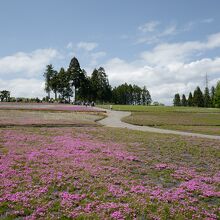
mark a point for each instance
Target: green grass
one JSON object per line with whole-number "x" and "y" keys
{"x": 142, "y": 108}
{"x": 190, "y": 119}
{"x": 207, "y": 123}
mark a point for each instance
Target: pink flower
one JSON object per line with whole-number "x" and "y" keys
{"x": 117, "y": 215}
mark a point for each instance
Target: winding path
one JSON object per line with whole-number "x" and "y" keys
{"x": 113, "y": 119}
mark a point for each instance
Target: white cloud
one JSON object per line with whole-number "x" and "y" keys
{"x": 22, "y": 73}
{"x": 170, "y": 30}
{"x": 95, "y": 57}
{"x": 169, "y": 68}
{"x": 150, "y": 34}
{"x": 166, "y": 69}
{"x": 163, "y": 82}
{"x": 208, "y": 20}
{"x": 27, "y": 64}
{"x": 149, "y": 26}
{"x": 24, "y": 87}
{"x": 88, "y": 46}
{"x": 69, "y": 45}
{"x": 164, "y": 54}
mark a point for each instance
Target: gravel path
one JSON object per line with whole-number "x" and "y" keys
{"x": 113, "y": 119}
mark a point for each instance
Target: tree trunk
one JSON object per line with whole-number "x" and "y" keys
{"x": 74, "y": 94}
{"x": 48, "y": 94}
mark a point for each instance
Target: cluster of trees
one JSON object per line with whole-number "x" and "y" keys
{"x": 200, "y": 99}
{"x": 4, "y": 96}
{"x": 128, "y": 95}
{"x": 75, "y": 82}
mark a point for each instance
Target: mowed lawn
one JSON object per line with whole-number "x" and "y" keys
{"x": 106, "y": 173}
{"x": 199, "y": 120}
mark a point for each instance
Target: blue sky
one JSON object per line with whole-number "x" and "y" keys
{"x": 166, "y": 45}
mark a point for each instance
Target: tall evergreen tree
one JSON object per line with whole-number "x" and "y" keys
{"x": 85, "y": 88}
{"x": 146, "y": 97}
{"x": 198, "y": 99}
{"x": 48, "y": 75}
{"x": 76, "y": 75}
{"x": 213, "y": 96}
{"x": 217, "y": 95}
{"x": 190, "y": 100}
{"x": 137, "y": 91}
{"x": 176, "y": 100}
{"x": 55, "y": 83}
{"x": 94, "y": 84}
{"x": 207, "y": 98}
{"x": 64, "y": 86}
{"x": 184, "y": 101}
{"x": 100, "y": 85}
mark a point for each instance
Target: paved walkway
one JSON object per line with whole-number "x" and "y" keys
{"x": 113, "y": 119}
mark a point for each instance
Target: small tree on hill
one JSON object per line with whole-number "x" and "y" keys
{"x": 184, "y": 101}
{"x": 190, "y": 100}
{"x": 146, "y": 97}
{"x": 213, "y": 96}
{"x": 55, "y": 83}
{"x": 176, "y": 100}
{"x": 198, "y": 99}
{"x": 48, "y": 75}
{"x": 64, "y": 87}
{"x": 217, "y": 95}
{"x": 5, "y": 96}
{"x": 76, "y": 75}
{"x": 207, "y": 98}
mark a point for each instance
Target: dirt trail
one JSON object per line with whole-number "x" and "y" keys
{"x": 113, "y": 119}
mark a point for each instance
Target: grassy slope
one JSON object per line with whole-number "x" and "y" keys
{"x": 141, "y": 108}
{"x": 200, "y": 120}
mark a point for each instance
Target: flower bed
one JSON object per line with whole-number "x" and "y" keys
{"x": 61, "y": 174}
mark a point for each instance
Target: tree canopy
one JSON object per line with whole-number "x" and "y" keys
{"x": 199, "y": 99}
{"x": 74, "y": 82}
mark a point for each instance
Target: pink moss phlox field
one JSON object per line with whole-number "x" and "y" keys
{"x": 74, "y": 175}
{"x": 42, "y": 106}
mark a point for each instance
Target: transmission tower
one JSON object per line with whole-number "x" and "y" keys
{"x": 206, "y": 81}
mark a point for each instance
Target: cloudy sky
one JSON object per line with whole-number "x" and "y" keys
{"x": 168, "y": 46}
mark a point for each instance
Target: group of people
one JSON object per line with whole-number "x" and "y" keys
{"x": 92, "y": 104}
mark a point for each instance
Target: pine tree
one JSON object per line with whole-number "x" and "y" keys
{"x": 213, "y": 96}
{"x": 101, "y": 89}
{"x": 55, "y": 83}
{"x": 190, "y": 100}
{"x": 48, "y": 75}
{"x": 84, "y": 91}
{"x": 217, "y": 95}
{"x": 198, "y": 99}
{"x": 137, "y": 94}
{"x": 64, "y": 87}
{"x": 76, "y": 75}
{"x": 176, "y": 100}
{"x": 207, "y": 98}
{"x": 184, "y": 101}
{"x": 146, "y": 97}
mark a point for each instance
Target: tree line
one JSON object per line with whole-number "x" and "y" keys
{"x": 75, "y": 82}
{"x": 198, "y": 98}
